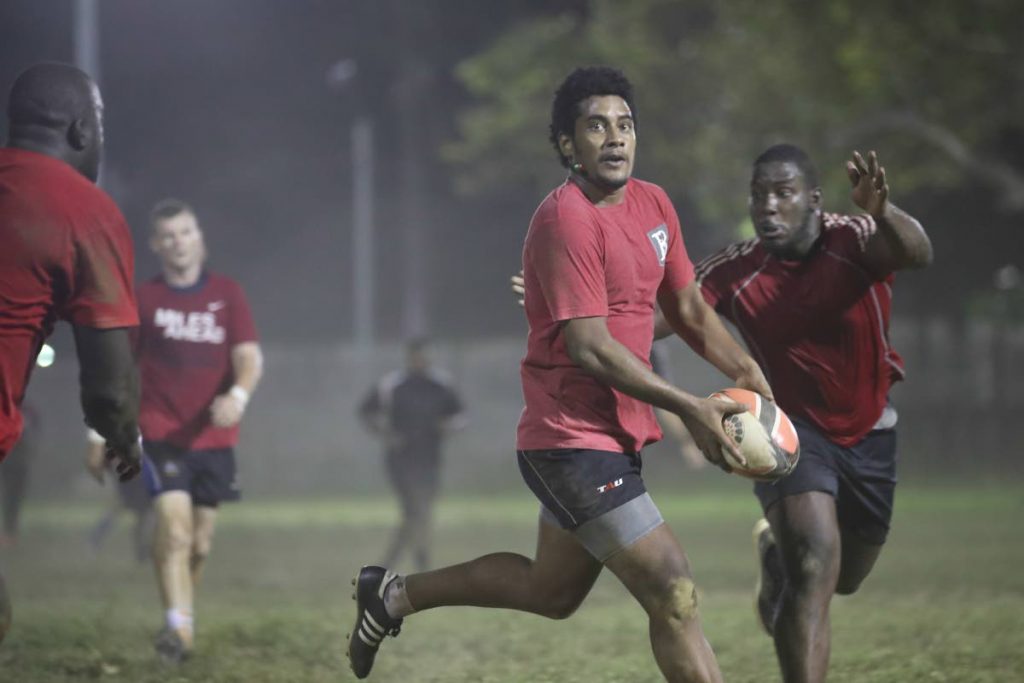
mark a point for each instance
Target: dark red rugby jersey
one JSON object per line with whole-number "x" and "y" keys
{"x": 819, "y": 327}
{"x": 65, "y": 254}
{"x": 184, "y": 349}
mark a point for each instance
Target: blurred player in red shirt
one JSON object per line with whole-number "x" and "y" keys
{"x": 67, "y": 255}
{"x": 200, "y": 361}
{"x": 601, "y": 250}
{"x": 811, "y": 295}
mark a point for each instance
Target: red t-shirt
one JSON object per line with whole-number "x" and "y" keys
{"x": 65, "y": 254}
{"x": 818, "y": 327}
{"x": 184, "y": 348}
{"x": 581, "y": 261}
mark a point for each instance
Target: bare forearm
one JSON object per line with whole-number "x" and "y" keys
{"x": 109, "y": 384}
{"x": 905, "y": 236}
{"x": 708, "y": 337}
{"x": 247, "y": 366}
{"x": 700, "y": 327}
{"x": 613, "y": 364}
{"x": 114, "y": 413}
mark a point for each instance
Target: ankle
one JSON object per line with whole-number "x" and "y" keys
{"x": 181, "y": 622}
{"x": 396, "y": 599}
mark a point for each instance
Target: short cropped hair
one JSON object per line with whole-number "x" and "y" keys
{"x": 417, "y": 344}
{"x": 584, "y": 82}
{"x": 168, "y": 208}
{"x": 791, "y": 154}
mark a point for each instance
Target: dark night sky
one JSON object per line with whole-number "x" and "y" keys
{"x": 225, "y": 105}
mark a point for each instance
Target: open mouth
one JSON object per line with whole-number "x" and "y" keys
{"x": 771, "y": 231}
{"x": 613, "y": 160}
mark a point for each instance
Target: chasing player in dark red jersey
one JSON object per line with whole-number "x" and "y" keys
{"x": 199, "y": 360}
{"x": 811, "y": 295}
{"x": 602, "y": 248}
{"x": 66, "y": 255}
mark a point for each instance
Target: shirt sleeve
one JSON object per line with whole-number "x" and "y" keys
{"x": 241, "y": 327}
{"x": 678, "y": 267}
{"x": 709, "y": 278}
{"x": 101, "y": 294}
{"x": 850, "y": 238}
{"x": 566, "y": 256}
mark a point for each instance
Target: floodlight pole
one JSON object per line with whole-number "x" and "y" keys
{"x": 362, "y": 231}
{"x": 341, "y": 77}
{"x": 87, "y": 37}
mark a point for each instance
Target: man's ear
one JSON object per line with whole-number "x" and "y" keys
{"x": 816, "y": 196}
{"x": 566, "y": 147}
{"x": 79, "y": 135}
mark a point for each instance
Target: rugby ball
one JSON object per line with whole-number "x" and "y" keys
{"x": 764, "y": 434}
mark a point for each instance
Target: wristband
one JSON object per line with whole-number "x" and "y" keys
{"x": 240, "y": 395}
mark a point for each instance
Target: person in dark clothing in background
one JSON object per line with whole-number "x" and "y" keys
{"x": 411, "y": 410}
{"x": 14, "y": 476}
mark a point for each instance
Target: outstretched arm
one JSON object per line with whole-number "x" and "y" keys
{"x": 900, "y": 241}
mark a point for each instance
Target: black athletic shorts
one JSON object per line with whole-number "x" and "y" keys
{"x": 599, "y": 496}
{"x": 208, "y": 475}
{"x": 862, "y": 479}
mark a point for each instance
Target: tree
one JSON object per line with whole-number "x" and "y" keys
{"x": 938, "y": 88}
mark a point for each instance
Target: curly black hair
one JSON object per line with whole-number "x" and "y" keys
{"x": 794, "y": 155}
{"x": 584, "y": 82}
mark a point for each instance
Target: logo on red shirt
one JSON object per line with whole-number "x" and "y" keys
{"x": 199, "y": 327}
{"x": 659, "y": 240}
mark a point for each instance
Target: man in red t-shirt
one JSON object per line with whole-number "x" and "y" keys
{"x": 601, "y": 250}
{"x": 811, "y": 295}
{"x": 200, "y": 360}
{"x": 67, "y": 255}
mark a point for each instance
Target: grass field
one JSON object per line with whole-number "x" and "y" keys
{"x": 945, "y": 604}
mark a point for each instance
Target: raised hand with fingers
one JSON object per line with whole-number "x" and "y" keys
{"x": 870, "y": 189}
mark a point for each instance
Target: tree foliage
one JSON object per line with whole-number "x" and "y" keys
{"x": 937, "y": 88}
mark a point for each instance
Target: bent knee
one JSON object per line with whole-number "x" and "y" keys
{"x": 815, "y": 564}
{"x": 560, "y": 607}
{"x": 200, "y": 549}
{"x": 177, "y": 539}
{"x": 848, "y": 585}
{"x": 676, "y": 601}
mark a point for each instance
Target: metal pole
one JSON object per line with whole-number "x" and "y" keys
{"x": 87, "y": 37}
{"x": 363, "y": 276}
{"x": 415, "y": 220}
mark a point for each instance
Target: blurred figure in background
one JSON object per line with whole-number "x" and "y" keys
{"x": 811, "y": 295}
{"x": 130, "y": 496}
{"x": 411, "y": 411}
{"x": 200, "y": 361}
{"x": 14, "y": 475}
{"x": 66, "y": 255}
